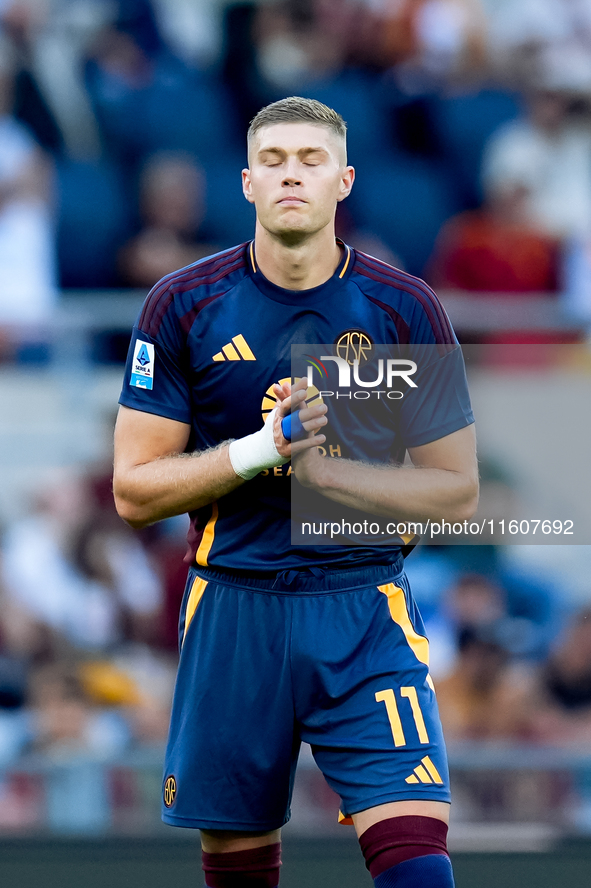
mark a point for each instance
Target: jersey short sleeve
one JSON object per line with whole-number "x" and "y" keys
{"x": 440, "y": 405}
{"x": 155, "y": 380}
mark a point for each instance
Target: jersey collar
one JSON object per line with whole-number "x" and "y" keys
{"x": 300, "y": 297}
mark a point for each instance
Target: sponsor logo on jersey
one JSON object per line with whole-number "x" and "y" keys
{"x": 426, "y": 772}
{"x": 169, "y": 791}
{"x": 236, "y": 350}
{"x": 354, "y": 345}
{"x": 142, "y": 368}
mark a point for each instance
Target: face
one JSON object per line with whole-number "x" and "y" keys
{"x": 297, "y": 176}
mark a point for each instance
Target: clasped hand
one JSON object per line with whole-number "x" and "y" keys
{"x": 306, "y": 459}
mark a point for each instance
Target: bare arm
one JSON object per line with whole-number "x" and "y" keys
{"x": 153, "y": 477}
{"x": 442, "y": 483}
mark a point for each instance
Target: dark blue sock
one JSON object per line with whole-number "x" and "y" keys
{"x": 431, "y": 871}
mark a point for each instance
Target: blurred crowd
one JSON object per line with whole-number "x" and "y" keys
{"x": 88, "y": 619}
{"x": 122, "y": 130}
{"x": 510, "y": 643}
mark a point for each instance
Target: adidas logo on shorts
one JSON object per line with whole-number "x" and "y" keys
{"x": 426, "y": 772}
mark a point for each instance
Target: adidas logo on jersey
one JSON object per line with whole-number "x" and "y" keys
{"x": 426, "y": 774}
{"x": 237, "y": 350}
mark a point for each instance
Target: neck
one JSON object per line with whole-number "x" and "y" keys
{"x": 300, "y": 266}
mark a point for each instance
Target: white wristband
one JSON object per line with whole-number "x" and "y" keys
{"x": 253, "y": 453}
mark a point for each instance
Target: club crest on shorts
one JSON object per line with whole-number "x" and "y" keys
{"x": 142, "y": 368}
{"x": 169, "y": 791}
{"x": 354, "y": 345}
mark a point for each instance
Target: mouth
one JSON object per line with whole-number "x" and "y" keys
{"x": 291, "y": 202}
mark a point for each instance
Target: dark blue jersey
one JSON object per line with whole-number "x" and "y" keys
{"x": 212, "y": 339}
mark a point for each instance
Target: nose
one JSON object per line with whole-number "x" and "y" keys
{"x": 291, "y": 177}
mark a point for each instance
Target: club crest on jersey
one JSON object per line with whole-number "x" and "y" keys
{"x": 142, "y": 368}
{"x": 354, "y": 345}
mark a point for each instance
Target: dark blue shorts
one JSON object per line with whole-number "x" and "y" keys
{"x": 339, "y": 661}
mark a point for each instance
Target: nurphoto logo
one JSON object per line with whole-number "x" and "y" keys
{"x": 388, "y": 372}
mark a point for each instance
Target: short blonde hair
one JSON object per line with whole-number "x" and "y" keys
{"x": 296, "y": 109}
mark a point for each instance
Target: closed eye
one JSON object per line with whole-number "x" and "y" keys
{"x": 313, "y": 156}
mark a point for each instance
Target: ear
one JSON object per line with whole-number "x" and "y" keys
{"x": 346, "y": 184}
{"x": 247, "y": 186}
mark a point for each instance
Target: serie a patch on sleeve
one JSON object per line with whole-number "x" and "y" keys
{"x": 142, "y": 368}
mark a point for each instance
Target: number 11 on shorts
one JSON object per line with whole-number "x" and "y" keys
{"x": 389, "y": 700}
